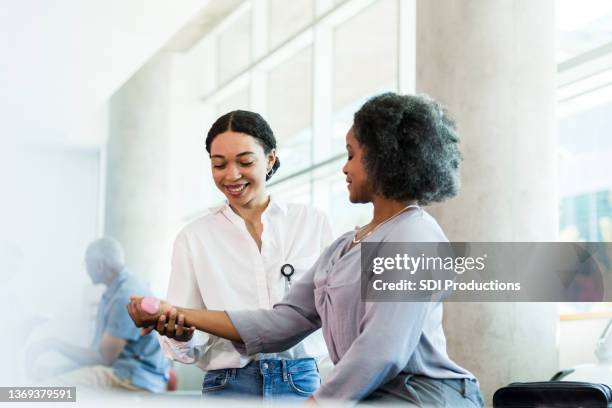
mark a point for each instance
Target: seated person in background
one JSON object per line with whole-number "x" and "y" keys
{"x": 118, "y": 358}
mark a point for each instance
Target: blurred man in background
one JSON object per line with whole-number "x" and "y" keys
{"x": 118, "y": 358}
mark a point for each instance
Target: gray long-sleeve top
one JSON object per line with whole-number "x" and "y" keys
{"x": 370, "y": 343}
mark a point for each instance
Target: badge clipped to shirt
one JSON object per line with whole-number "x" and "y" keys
{"x": 287, "y": 270}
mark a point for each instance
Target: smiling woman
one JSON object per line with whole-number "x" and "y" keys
{"x": 246, "y": 123}
{"x": 242, "y": 151}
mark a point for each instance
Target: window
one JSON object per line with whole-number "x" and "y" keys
{"x": 290, "y": 111}
{"x": 234, "y": 101}
{"x": 234, "y": 48}
{"x": 302, "y": 65}
{"x": 584, "y": 106}
{"x": 357, "y": 74}
{"x": 286, "y": 18}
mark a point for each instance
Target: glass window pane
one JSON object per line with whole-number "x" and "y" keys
{"x": 344, "y": 215}
{"x": 290, "y": 110}
{"x": 325, "y": 187}
{"x": 295, "y": 190}
{"x": 203, "y": 66}
{"x": 286, "y": 18}
{"x": 331, "y": 195}
{"x": 237, "y": 100}
{"x": 235, "y": 48}
{"x": 582, "y": 26}
{"x": 359, "y": 74}
{"x": 365, "y": 59}
{"x": 585, "y": 166}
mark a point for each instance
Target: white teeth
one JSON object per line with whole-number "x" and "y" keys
{"x": 236, "y": 189}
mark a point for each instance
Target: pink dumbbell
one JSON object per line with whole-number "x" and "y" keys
{"x": 150, "y": 305}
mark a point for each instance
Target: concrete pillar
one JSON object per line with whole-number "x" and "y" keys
{"x": 137, "y": 168}
{"x": 492, "y": 63}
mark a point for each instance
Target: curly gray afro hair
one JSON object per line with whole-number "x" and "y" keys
{"x": 410, "y": 147}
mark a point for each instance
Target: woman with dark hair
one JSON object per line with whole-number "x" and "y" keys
{"x": 231, "y": 258}
{"x": 402, "y": 153}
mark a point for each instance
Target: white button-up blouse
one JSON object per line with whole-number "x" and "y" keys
{"x": 216, "y": 265}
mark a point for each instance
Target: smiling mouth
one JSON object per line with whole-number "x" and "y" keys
{"x": 236, "y": 189}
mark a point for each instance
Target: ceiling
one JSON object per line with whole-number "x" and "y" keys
{"x": 62, "y": 60}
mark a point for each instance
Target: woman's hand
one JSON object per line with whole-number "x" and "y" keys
{"x": 175, "y": 326}
{"x": 142, "y": 318}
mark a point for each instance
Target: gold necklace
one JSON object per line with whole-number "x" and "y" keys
{"x": 356, "y": 241}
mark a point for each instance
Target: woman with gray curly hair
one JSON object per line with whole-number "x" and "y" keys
{"x": 402, "y": 153}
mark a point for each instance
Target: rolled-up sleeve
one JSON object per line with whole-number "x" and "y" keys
{"x": 282, "y": 327}
{"x": 389, "y": 334}
{"x": 186, "y": 352}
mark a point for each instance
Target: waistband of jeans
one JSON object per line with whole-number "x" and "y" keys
{"x": 273, "y": 366}
{"x": 465, "y": 386}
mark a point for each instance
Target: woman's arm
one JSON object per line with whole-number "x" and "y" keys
{"x": 214, "y": 322}
{"x": 289, "y": 322}
{"x": 252, "y": 331}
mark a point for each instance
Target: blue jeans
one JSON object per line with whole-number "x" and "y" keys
{"x": 420, "y": 391}
{"x": 268, "y": 379}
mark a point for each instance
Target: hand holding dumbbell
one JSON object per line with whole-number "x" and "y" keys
{"x": 151, "y": 314}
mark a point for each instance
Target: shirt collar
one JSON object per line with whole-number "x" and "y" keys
{"x": 280, "y": 205}
{"x": 227, "y": 210}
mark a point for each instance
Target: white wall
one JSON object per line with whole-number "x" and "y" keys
{"x": 577, "y": 340}
{"x": 63, "y": 59}
{"x": 48, "y": 214}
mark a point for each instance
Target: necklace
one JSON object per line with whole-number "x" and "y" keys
{"x": 356, "y": 241}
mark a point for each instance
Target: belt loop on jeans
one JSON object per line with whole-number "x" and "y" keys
{"x": 284, "y": 367}
{"x": 464, "y": 387}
